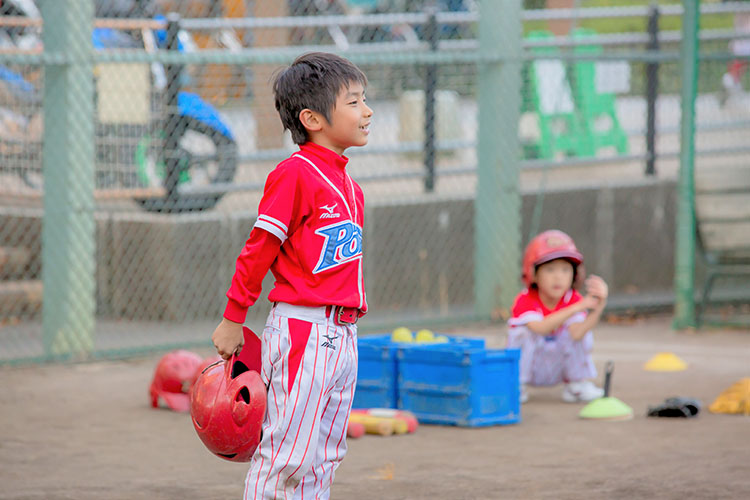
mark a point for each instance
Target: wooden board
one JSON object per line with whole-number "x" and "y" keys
{"x": 722, "y": 207}
{"x": 725, "y": 236}
{"x": 34, "y": 198}
{"x": 734, "y": 179}
{"x": 20, "y": 297}
{"x": 13, "y": 259}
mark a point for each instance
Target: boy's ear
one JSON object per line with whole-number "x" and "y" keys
{"x": 311, "y": 120}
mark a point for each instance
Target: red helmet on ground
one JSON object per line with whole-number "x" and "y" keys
{"x": 547, "y": 246}
{"x": 172, "y": 379}
{"x": 228, "y": 403}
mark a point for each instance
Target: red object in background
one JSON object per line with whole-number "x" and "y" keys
{"x": 172, "y": 379}
{"x": 355, "y": 430}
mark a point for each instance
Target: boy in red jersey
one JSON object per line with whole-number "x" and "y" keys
{"x": 551, "y": 322}
{"x": 309, "y": 234}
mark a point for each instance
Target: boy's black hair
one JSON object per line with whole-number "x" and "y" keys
{"x": 312, "y": 81}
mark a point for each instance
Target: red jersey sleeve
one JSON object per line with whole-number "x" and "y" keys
{"x": 279, "y": 208}
{"x": 526, "y": 308}
{"x": 276, "y": 215}
{"x": 252, "y": 266}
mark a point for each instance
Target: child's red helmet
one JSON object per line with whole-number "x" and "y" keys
{"x": 172, "y": 379}
{"x": 228, "y": 403}
{"x": 547, "y": 246}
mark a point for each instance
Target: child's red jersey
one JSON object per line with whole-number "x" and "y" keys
{"x": 529, "y": 307}
{"x": 316, "y": 211}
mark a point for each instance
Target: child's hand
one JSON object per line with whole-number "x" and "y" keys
{"x": 228, "y": 338}
{"x": 598, "y": 289}
{"x": 590, "y": 302}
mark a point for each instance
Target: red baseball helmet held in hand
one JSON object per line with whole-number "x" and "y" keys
{"x": 210, "y": 360}
{"x": 172, "y": 378}
{"x": 547, "y": 246}
{"x": 228, "y": 403}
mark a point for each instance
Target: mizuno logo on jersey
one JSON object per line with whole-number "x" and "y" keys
{"x": 343, "y": 243}
{"x": 328, "y": 214}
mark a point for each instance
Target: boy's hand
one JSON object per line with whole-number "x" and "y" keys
{"x": 227, "y": 338}
{"x": 597, "y": 288}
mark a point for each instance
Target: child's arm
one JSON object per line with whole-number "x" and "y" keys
{"x": 596, "y": 288}
{"x": 555, "y": 320}
{"x": 252, "y": 266}
{"x": 578, "y": 330}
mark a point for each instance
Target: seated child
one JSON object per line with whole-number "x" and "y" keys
{"x": 551, "y": 322}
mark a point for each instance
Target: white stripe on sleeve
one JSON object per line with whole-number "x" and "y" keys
{"x": 526, "y": 318}
{"x": 271, "y": 228}
{"x": 276, "y": 222}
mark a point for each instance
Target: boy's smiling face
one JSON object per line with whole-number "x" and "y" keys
{"x": 350, "y": 121}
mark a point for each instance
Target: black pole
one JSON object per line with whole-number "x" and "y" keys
{"x": 652, "y": 89}
{"x": 173, "y": 123}
{"x": 609, "y": 367}
{"x": 430, "y": 82}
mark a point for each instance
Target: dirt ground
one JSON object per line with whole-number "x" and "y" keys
{"x": 85, "y": 431}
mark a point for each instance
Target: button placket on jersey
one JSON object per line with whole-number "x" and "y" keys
{"x": 343, "y": 195}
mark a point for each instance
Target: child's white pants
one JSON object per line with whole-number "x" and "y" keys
{"x": 552, "y": 359}
{"x": 310, "y": 367}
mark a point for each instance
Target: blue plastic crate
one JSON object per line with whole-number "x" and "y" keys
{"x": 376, "y": 374}
{"x": 378, "y": 369}
{"x": 459, "y": 386}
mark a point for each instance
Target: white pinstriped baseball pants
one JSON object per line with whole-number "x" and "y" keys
{"x": 310, "y": 367}
{"x": 553, "y": 359}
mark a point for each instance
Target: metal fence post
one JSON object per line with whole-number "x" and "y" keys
{"x": 430, "y": 82}
{"x": 497, "y": 222}
{"x": 68, "y": 228}
{"x": 684, "y": 275}
{"x": 652, "y": 89}
{"x": 172, "y": 127}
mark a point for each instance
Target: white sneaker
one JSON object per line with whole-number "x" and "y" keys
{"x": 524, "y": 394}
{"x": 584, "y": 390}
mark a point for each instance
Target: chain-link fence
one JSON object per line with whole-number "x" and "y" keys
{"x": 126, "y": 229}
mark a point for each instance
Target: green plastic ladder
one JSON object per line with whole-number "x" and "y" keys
{"x": 597, "y": 109}
{"x": 561, "y": 131}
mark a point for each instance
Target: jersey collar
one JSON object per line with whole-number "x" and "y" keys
{"x": 564, "y": 300}
{"x": 330, "y": 158}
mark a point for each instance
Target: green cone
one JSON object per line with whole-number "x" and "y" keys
{"x": 606, "y": 408}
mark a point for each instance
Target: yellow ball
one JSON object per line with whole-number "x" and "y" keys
{"x": 425, "y": 336}
{"x": 402, "y": 334}
{"x": 441, "y": 339}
